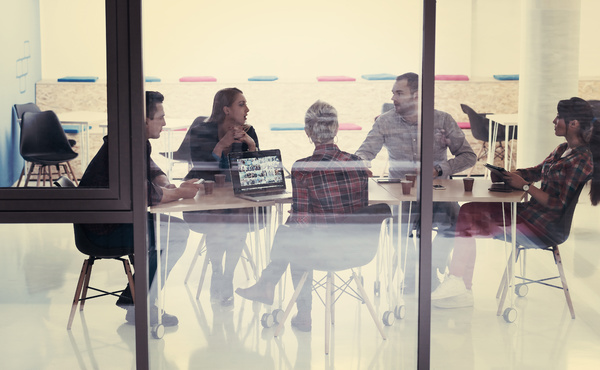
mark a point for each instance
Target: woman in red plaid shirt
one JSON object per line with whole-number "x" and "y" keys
{"x": 327, "y": 186}
{"x": 560, "y": 175}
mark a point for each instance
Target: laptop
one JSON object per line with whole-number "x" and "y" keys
{"x": 258, "y": 176}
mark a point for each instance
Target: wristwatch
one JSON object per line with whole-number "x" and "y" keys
{"x": 526, "y": 188}
{"x": 438, "y": 168}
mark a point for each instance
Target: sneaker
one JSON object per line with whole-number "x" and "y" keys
{"x": 167, "y": 320}
{"x": 263, "y": 293}
{"x": 459, "y": 301}
{"x": 302, "y": 323}
{"x": 451, "y": 286}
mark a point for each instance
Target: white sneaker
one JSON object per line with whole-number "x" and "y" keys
{"x": 459, "y": 301}
{"x": 451, "y": 286}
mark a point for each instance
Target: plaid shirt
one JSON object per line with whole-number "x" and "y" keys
{"x": 560, "y": 179}
{"x": 327, "y": 186}
{"x": 401, "y": 139}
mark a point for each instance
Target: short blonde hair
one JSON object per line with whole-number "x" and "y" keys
{"x": 321, "y": 122}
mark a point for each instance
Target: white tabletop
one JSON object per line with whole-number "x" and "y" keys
{"x": 454, "y": 192}
{"x": 511, "y": 119}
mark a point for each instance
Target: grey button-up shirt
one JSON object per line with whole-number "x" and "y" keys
{"x": 401, "y": 139}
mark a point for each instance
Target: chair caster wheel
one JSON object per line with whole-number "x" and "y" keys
{"x": 510, "y": 315}
{"x": 158, "y": 331}
{"x": 277, "y": 315}
{"x": 377, "y": 288}
{"x": 267, "y": 320}
{"x": 400, "y": 312}
{"x": 521, "y": 290}
{"x": 388, "y": 318}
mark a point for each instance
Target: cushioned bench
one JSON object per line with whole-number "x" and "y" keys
{"x": 379, "y": 77}
{"x": 197, "y": 79}
{"x": 506, "y": 77}
{"x": 349, "y": 126}
{"x": 73, "y": 129}
{"x": 286, "y": 126}
{"x": 263, "y": 78}
{"x": 452, "y": 77}
{"x": 335, "y": 78}
{"x": 464, "y": 125}
{"x": 300, "y": 126}
{"x": 78, "y": 79}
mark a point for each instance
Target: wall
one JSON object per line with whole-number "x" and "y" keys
{"x": 20, "y": 69}
{"x": 237, "y": 39}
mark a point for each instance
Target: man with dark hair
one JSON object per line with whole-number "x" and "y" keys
{"x": 159, "y": 191}
{"x": 398, "y": 130}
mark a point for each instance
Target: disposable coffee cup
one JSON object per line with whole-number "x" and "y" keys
{"x": 208, "y": 187}
{"x": 468, "y": 182}
{"x": 220, "y": 180}
{"x": 406, "y": 186}
{"x": 412, "y": 178}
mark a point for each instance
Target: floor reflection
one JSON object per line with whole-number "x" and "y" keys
{"x": 40, "y": 268}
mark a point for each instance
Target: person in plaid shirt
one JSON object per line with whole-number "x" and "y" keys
{"x": 568, "y": 167}
{"x": 327, "y": 186}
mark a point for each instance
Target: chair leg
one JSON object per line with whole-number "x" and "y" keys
{"x": 195, "y": 259}
{"x": 328, "y": 308}
{"x": 563, "y": 280}
{"x": 21, "y": 177}
{"x": 202, "y": 276}
{"x": 29, "y": 173}
{"x": 71, "y": 173}
{"x": 503, "y": 284}
{"x": 290, "y": 305}
{"x": 127, "y": 267}
{"x": 86, "y": 283}
{"x": 363, "y": 293}
{"x": 506, "y": 286}
{"x": 82, "y": 276}
{"x": 251, "y": 262}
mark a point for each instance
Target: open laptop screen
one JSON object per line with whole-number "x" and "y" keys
{"x": 256, "y": 171}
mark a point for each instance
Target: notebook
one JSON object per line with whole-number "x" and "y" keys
{"x": 258, "y": 176}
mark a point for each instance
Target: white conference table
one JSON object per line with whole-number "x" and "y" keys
{"x": 454, "y": 192}
{"x": 506, "y": 120}
{"x": 83, "y": 119}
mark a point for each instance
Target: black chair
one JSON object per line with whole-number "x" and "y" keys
{"x": 338, "y": 247}
{"x": 94, "y": 253}
{"x": 548, "y": 241}
{"x": 20, "y": 109}
{"x": 44, "y": 144}
{"x": 480, "y": 128}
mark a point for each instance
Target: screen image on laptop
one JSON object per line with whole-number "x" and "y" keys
{"x": 257, "y": 172}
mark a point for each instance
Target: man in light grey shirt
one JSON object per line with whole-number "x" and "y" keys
{"x": 398, "y": 131}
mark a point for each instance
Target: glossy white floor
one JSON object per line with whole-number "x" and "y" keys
{"x": 40, "y": 268}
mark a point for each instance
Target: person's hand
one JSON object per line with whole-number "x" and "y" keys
{"x": 514, "y": 180}
{"x": 240, "y": 135}
{"x": 170, "y": 186}
{"x": 188, "y": 189}
{"x": 369, "y": 173}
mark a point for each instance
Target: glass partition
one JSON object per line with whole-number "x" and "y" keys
{"x": 283, "y": 58}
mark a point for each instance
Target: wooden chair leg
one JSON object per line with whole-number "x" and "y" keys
{"x": 31, "y": 168}
{"x": 563, "y": 280}
{"x": 127, "y": 267}
{"x": 202, "y": 276}
{"x": 329, "y": 287}
{"x": 198, "y": 253}
{"x": 82, "y": 276}
{"x": 86, "y": 283}
{"x": 363, "y": 293}
{"x": 71, "y": 173}
{"x": 290, "y": 305}
{"x": 21, "y": 177}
